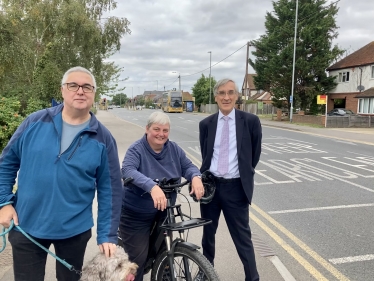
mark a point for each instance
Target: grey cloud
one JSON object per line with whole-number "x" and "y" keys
{"x": 169, "y": 35}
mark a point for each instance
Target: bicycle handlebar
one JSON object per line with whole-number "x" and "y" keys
{"x": 163, "y": 184}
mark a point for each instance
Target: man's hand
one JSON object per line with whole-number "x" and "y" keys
{"x": 108, "y": 249}
{"x": 197, "y": 187}
{"x": 8, "y": 213}
{"x": 159, "y": 199}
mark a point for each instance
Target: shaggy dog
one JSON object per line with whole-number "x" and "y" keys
{"x": 115, "y": 268}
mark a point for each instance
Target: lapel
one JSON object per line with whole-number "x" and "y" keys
{"x": 239, "y": 129}
{"x": 212, "y": 129}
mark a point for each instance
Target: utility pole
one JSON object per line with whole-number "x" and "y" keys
{"x": 246, "y": 89}
{"x": 179, "y": 81}
{"x": 164, "y": 88}
{"x": 210, "y": 79}
{"x": 293, "y": 64}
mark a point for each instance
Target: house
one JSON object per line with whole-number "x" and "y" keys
{"x": 248, "y": 87}
{"x": 355, "y": 77}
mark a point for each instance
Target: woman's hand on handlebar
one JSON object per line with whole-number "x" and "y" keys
{"x": 8, "y": 213}
{"x": 159, "y": 199}
{"x": 197, "y": 187}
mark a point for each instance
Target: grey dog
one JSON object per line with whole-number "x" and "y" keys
{"x": 115, "y": 268}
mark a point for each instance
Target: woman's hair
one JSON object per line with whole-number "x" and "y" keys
{"x": 223, "y": 82}
{"x": 158, "y": 117}
{"x": 78, "y": 69}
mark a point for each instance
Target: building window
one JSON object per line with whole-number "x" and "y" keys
{"x": 343, "y": 77}
{"x": 366, "y": 106}
{"x": 372, "y": 71}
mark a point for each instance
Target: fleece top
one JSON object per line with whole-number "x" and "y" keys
{"x": 56, "y": 190}
{"x": 144, "y": 166}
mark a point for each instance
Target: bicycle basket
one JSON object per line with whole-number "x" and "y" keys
{"x": 209, "y": 188}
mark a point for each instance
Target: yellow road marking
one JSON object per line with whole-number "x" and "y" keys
{"x": 310, "y": 268}
{"x": 302, "y": 245}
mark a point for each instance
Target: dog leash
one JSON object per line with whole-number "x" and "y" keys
{"x": 5, "y": 231}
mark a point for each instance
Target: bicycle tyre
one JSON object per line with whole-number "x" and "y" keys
{"x": 159, "y": 269}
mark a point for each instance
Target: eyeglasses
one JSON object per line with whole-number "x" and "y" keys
{"x": 223, "y": 93}
{"x": 74, "y": 87}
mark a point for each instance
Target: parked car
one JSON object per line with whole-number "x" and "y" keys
{"x": 340, "y": 112}
{"x": 110, "y": 106}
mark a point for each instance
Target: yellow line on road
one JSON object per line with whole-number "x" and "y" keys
{"x": 310, "y": 268}
{"x": 302, "y": 245}
{"x": 194, "y": 159}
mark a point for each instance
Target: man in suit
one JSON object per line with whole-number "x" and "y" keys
{"x": 230, "y": 143}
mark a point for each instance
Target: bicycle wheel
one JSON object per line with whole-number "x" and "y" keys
{"x": 187, "y": 264}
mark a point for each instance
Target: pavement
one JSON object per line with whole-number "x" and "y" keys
{"x": 357, "y": 135}
{"x": 126, "y": 133}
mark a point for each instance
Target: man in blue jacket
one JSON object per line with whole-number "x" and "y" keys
{"x": 62, "y": 155}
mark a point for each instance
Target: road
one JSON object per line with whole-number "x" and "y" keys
{"x": 313, "y": 200}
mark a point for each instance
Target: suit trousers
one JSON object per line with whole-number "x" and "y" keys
{"x": 230, "y": 198}
{"x": 29, "y": 259}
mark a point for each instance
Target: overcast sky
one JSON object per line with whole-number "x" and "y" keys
{"x": 176, "y": 35}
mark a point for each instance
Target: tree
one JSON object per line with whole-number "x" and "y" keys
{"x": 314, "y": 51}
{"x": 48, "y": 37}
{"x": 119, "y": 99}
{"x": 201, "y": 88}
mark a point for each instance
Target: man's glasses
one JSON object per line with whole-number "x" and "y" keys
{"x": 74, "y": 87}
{"x": 223, "y": 93}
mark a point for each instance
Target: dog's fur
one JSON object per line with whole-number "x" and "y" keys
{"x": 115, "y": 268}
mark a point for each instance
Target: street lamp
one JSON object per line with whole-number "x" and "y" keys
{"x": 210, "y": 80}
{"x": 293, "y": 64}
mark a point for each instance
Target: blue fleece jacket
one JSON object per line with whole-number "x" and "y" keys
{"x": 144, "y": 165}
{"x": 55, "y": 191}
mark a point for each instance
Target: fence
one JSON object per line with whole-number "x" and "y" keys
{"x": 251, "y": 108}
{"x": 359, "y": 121}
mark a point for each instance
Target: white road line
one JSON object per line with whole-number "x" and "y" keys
{"x": 352, "y": 259}
{"x": 283, "y": 271}
{"x": 346, "y": 142}
{"x": 181, "y": 127}
{"x": 197, "y": 132}
{"x": 322, "y": 208}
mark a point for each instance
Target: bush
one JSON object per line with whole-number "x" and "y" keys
{"x": 12, "y": 114}
{"x": 10, "y": 119}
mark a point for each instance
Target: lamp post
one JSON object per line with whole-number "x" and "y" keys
{"x": 210, "y": 80}
{"x": 293, "y": 64}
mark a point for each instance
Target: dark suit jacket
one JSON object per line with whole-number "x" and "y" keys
{"x": 248, "y": 139}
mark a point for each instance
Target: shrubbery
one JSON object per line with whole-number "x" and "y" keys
{"x": 12, "y": 114}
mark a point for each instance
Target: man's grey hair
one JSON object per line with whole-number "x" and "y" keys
{"x": 158, "y": 117}
{"x": 224, "y": 82}
{"x": 78, "y": 69}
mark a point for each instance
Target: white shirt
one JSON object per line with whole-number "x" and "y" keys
{"x": 233, "y": 171}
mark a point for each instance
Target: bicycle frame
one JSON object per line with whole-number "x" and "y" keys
{"x": 161, "y": 237}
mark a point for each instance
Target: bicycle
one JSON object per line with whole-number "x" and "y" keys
{"x": 174, "y": 259}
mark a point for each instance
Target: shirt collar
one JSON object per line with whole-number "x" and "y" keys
{"x": 231, "y": 114}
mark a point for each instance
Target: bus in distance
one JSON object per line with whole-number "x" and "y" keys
{"x": 172, "y": 101}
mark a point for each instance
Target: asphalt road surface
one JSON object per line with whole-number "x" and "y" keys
{"x": 313, "y": 200}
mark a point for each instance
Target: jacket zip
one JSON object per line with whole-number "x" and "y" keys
{"x": 76, "y": 147}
